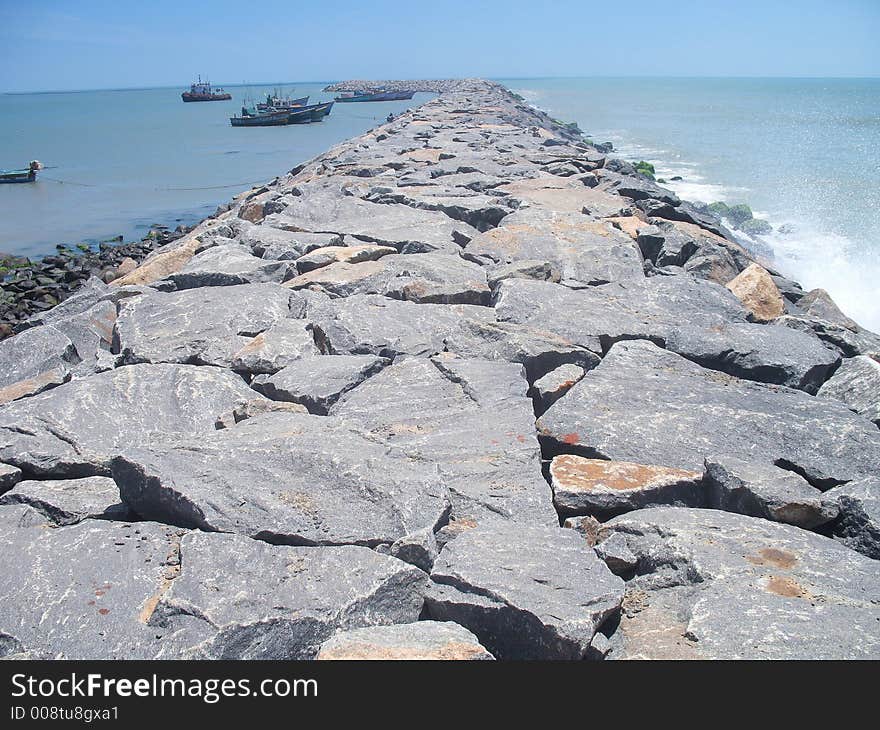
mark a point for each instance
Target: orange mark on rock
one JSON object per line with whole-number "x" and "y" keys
{"x": 785, "y": 587}
{"x": 103, "y": 611}
{"x": 571, "y": 438}
{"x": 775, "y": 557}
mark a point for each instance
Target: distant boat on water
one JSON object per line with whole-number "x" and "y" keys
{"x": 281, "y": 117}
{"x": 380, "y": 95}
{"x": 25, "y": 175}
{"x": 203, "y": 91}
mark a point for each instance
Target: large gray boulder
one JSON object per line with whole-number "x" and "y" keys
{"x": 237, "y": 598}
{"x": 67, "y": 501}
{"x": 285, "y": 342}
{"x": 715, "y": 585}
{"x": 9, "y": 477}
{"x": 763, "y": 490}
{"x": 372, "y": 324}
{"x": 471, "y": 420}
{"x": 116, "y": 590}
{"x": 286, "y": 478}
{"x": 856, "y": 383}
{"x": 203, "y": 326}
{"x": 650, "y": 406}
{"x": 585, "y": 251}
{"x": 526, "y": 592}
{"x": 859, "y": 524}
{"x": 227, "y": 265}
{"x": 318, "y": 382}
{"x": 423, "y": 640}
{"x": 599, "y": 316}
{"x": 325, "y": 208}
{"x": 765, "y": 353}
{"x": 34, "y": 360}
{"x": 75, "y": 429}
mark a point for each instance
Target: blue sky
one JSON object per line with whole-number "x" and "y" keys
{"x": 86, "y": 44}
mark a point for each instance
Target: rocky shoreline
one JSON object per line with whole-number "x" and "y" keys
{"x": 463, "y": 387}
{"x": 433, "y": 86}
{"x": 29, "y": 287}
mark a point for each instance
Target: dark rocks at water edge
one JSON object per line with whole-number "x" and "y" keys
{"x": 345, "y": 417}
{"x": 30, "y": 287}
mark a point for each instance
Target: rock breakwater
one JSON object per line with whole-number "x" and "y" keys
{"x": 346, "y": 416}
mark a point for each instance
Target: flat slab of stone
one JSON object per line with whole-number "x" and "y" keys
{"x": 715, "y": 585}
{"x": 651, "y": 406}
{"x": 582, "y": 249}
{"x": 116, "y": 590}
{"x": 423, "y": 640}
{"x": 228, "y": 265}
{"x": 74, "y": 430}
{"x": 764, "y": 490}
{"x": 283, "y": 477}
{"x": 526, "y": 592}
{"x": 471, "y": 420}
{"x": 598, "y": 316}
{"x": 34, "y": 360}
{"x": 318, "y": 382}
{"x": 606, "y": 488}
{"x": 238, "y": 598}
{"x": 203, "y": 326}
{"x": 68, "y": 501}
{"x": 325, "y": 209}
{"x": 856, "y": 383}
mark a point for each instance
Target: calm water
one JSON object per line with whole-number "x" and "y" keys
{"x": 804, "y": 153}
{"x": 131, "y": 158}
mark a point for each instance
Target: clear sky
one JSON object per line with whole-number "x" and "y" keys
{"x": 88, "y": 44}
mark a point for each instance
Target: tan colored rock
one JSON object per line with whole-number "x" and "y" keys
{"x": 339, "y": 273}
{"x": 126, "y": 266}
{"x": 629, "y": 224}
{"x": 426, "y": 154}
{"x": 341, "y": 254}
{"x": 587, "y": 526}
{"x": 167, "y": 262}
{"x": 604, "y": 488}
{"x": 758, "y": 293}
{"x": 423, "y": 640}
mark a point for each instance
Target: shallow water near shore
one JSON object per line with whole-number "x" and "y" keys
{"x": 804, "y": 153}
{"x": 130, "y": 158}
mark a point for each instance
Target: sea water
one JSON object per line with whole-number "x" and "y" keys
{"x": 803, "y": 153}
{"x": 119, "y": 161}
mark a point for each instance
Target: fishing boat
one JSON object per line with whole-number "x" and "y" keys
{"x": 28, "y": 174}
{"x": 380, "y": 95}
{"x": 203, "y": 91}
{"x": 249, "y": 118}
{"x": 274, "y": 101}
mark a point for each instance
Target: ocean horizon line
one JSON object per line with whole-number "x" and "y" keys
{"x": 243, "y": 84}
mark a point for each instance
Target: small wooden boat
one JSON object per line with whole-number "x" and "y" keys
{"x": 28, "y": 174}
{"x": 203, "y": 91}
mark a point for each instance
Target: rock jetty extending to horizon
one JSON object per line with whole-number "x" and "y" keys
{"x": 463, "y": 387}
{"x": 433, "y": 86}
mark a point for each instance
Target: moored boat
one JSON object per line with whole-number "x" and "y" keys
{"x": 380, "y": 95}
{"x": 266, "y": 119}
{"x": 203, "y": 91}
{"x": 25, "y": 175}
